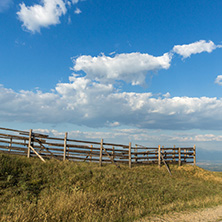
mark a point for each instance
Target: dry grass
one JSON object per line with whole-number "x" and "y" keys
{"x": 67, "y": 191}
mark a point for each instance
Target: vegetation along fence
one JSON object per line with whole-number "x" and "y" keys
{"x": 30, "y": 144}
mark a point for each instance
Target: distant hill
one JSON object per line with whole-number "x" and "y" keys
{"x": 210, "y": 156}
{"x": 209, "y": 159}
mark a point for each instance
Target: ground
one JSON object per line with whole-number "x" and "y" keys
{"x": 204, "y": 215}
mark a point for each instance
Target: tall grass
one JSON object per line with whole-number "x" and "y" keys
{"x": 70, "y": 191}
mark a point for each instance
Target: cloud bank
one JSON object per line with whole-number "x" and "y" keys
{"x": 138, "y": 135}
{"x": 93, "y": 104}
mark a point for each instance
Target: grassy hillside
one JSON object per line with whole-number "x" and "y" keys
{"x": 31, "y": 190}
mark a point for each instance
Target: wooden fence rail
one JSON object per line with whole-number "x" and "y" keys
{"x": 28, "y": 143}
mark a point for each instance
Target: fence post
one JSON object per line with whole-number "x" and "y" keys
{"x": 101, "y": 153}
{"x": 91, "y": 153}
{"x": 159, "y": 156}
{"x": 136, "y": 150}
{"x": 30, "y": 141}
{"x": 174, "y": 153}
{"x": 179, "y": 150}
{"x": 10, "y": 145}
{"x": 113, "y": 153}
{"x": 194, "y": 155}
{"x": 130, "y": 164}
{"x": 65, "y": 144}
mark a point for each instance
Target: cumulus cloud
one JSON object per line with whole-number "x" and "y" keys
{"x": 187, "y": 50}
{"x": 218, "y": 80}
{"x": 5, "y": 4}
{"x": 37, "y": 16}
{"x": 94, "y": 104}
{"x": 129, "y": 67}
{"x": 43, "y": 15}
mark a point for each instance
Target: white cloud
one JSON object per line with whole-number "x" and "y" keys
{"x": 77, "y": 11}
{"x": 193, "y": 137}
{"x": 5, "y": 4}
{"x": 187, "y": 50}
{"x": 43, "y": 15}
{"x": 218, "y": 80}
{"x": 131, "y": 68}
{"x": 37, "y": 16}
{"x": 207, "y": 137}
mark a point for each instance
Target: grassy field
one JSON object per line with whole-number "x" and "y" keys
{"x": 31, "y": 190}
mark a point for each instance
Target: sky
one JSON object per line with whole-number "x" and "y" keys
{"x": 147, "y": 71}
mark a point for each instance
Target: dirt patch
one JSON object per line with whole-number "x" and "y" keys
{"x": 204, "y": 215}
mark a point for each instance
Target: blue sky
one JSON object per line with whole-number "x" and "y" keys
{"x": 144, "y": 71}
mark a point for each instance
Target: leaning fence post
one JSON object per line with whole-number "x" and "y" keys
{"x": 101, "y": 153}
{"x": 130, "y": 158}
{"x": 159, "y": 156}
{"x": 65, "y": 144}
{"x": 30, "y": 141}
{"x": 194, "y": 155}
{"x": 179, "y": 150}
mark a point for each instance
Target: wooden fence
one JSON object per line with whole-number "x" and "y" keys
{"x": 30, "y": 144}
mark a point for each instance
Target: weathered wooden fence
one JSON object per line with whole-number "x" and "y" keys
{"x": 30, "y": 144}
